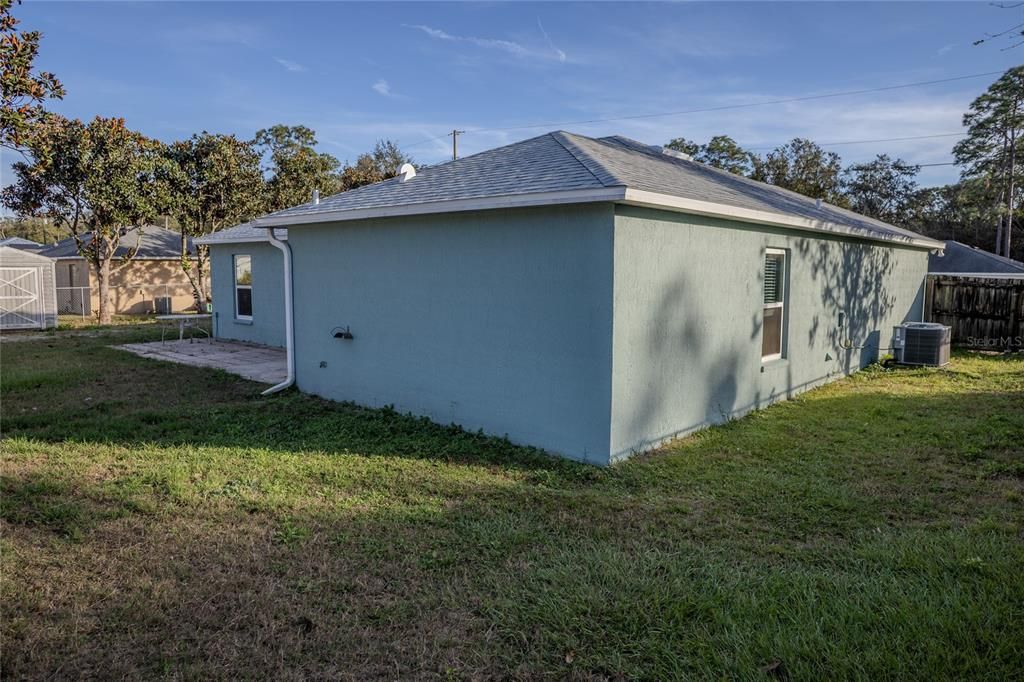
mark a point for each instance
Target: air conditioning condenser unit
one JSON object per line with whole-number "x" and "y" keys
{"x": 921, "y": 343}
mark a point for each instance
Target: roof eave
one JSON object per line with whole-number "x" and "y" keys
{"x": 669, "y": 202}
{"x": 235, "y": 240}
{"x": 448, "y": 206}
{"x": 981, "y": 275}
{"x": 623, "y": 195}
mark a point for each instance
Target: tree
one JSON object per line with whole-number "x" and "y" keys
{"x": 94, "y": 180}
{"x": 804, "y": 167}
{"x": 214, "y": 181}
{"x": 22, "y": 92}
{"x": 967, "y": 211}
{"x": 382, "y": 163}
{"x": 27, "y": 227}
{"x": 681, "y": 144}
{"x": 296, "y": 168}
{"x": 721, "y": 151}
{"x": 994, "y": 145}
{"x": 884, "y": 189}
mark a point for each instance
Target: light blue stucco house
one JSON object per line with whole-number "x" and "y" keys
{"x": 246, "y": 278}
{"x": 593, "y": 297}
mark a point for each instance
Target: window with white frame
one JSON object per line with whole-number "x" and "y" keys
{"x": 774, "y": 311}
{"x": 243, "y": 287}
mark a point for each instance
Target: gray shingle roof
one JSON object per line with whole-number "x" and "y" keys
{"x": 561, "y": 161}
{"x": 152, "y": 241}
{"x": 640, "y": 166}
{"x": 21, "y": 243}
{"x": 961, "y": 258}
{"x": 540, "y": 164}
{"x": 246, "y": 232}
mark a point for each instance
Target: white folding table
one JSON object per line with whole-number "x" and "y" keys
{"x": 190, "y": 320}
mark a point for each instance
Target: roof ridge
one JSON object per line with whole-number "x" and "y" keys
{"x": 585, "y": 160}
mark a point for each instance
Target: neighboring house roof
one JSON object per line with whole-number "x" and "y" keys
{"x": 562, "y": 168}
{"x": 963, "y": 259}
{"x": 240, "y": 234}
{"x": 154, "y": 243}
{"x": 16, "y": 254}
{"x": 21, "y": 243}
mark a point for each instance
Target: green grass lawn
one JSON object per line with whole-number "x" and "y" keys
{"x": 167, "y": 521}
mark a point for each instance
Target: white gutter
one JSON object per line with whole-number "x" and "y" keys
{"x": 980, "y": 275}
{"x": 620, "y": 195}
{"x": 232, "y": 240}
{"x": 289, "y": 313}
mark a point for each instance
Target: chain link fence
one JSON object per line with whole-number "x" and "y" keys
{"x": 133, "y": 299}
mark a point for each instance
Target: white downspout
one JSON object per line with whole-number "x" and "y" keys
{"x": 289, "y": 313}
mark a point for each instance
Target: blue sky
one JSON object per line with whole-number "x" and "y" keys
{"x": 409, "y": 72}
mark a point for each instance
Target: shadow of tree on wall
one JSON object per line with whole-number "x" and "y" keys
{"x": 854, "y": 278}
{"x": 854, "y": 282}
{"x": 680, "y": 326}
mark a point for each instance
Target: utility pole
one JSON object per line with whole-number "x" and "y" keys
{"x": 455, "y": 143}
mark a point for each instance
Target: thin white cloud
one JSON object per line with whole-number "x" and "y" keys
{"x": 382, "y": 87}
{"x": 945, "y": 48}
{"x": 289, "y": 65}
{"x": 560, "y": 54}
{"x": 215, "y": 33}
{"x": 508, "y": 46}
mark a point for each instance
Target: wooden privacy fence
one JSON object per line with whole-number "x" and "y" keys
{"x": 984, "y": 312}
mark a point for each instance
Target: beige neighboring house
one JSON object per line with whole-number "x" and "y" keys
{"x": 152, "y": 282}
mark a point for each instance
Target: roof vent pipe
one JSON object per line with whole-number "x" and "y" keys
{"x": 316, "y": 196}
{"x": 406, "y": 172}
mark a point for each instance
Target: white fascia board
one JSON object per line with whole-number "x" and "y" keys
{"x": 236, "y": 240}
{"x": 636, "y": 197}
{"x": 453, "y": 206}
{"x": 982, "y": 275}
{"x": 621, "y": 195}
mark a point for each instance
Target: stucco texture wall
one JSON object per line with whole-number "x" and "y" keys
{"x": 497, "y": 320}
{"x": 267, "y": 324}
{"x": 133, "y": 288}
{"x": 688, "y": 295}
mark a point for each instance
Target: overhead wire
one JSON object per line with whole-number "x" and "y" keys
{"x": 724, "y": 107}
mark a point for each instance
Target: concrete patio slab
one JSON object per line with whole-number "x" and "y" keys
{"x": 257, "y": 363}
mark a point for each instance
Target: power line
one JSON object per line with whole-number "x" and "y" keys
{"x": 430, "y": 139}
{"x": 725, "y": 107}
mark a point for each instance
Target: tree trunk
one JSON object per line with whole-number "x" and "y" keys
{"x": 999, "y": 227}
{"x": 202, "y": 258}
{"x": 103, "y": 283}
{"x": 1009, "y": 193}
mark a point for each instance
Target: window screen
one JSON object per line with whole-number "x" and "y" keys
{"x": 243, "y": 287}
{"x": 773, "y": 313}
